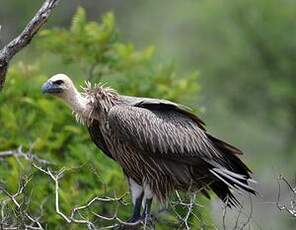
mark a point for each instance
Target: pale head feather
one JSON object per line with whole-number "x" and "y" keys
{"x": 72, "y": 97}
{"x": 68, "y": 88}
{"x": 82, "y": 103}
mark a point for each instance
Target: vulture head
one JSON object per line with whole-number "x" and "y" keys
{"x": 61, "y": 86}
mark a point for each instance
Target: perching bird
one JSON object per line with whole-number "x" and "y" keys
{"x": 160, "y": 145}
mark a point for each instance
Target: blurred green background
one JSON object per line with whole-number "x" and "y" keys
{"x": 232, "y": 61}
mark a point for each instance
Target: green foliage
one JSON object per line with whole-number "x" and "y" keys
{"x": 259, "y": 55}
{"x": 94, "y": 52}
{"x": 250, "y": 57}
{"x": 98, "y": 51}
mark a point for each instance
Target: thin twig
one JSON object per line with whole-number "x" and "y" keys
{"x": 249, "y": 216}
{"x": 224, "y": 214}
{"x": 28, "y": 222}
{"x": 291, "y": 207}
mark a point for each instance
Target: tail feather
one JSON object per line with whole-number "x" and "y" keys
{"x": 229, "y": 172}
{"x": 235, "y": 175}
{"x": 233, "y": 179}
{"x": 222, "y": 179}
{"x": 223, "y": 192}
{"x": 230, "y": 156}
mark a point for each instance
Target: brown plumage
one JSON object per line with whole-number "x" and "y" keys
{"x": 161, "y": 146}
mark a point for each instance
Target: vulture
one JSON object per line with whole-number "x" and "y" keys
{"x": 160, "y": 145}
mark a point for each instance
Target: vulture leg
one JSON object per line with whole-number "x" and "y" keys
{"x": 147, "y": 207}
{"x": 148, "y": 196}
{"x": 137, "y": 197}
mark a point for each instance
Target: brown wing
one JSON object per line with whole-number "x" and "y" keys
{"x": 98, "y": 138}
{"x": 158, "y": 104}
{"x": 165, "y": 134}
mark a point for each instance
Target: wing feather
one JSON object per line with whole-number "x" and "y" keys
{"x": 98, "y": 138}
{"x": 166, "y": 134}
{"x": 160, "y": 104}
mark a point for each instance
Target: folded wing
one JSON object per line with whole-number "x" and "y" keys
{"x": 167, "y": 131}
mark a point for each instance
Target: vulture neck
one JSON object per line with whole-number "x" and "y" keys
{"x": 93, "y": 103}
{"x": 77, "y": 102}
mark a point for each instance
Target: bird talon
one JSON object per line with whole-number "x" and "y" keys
{"x": 134, "y": 219}
{"x": 148, "y": 219}
{"x": 131, "y": 223}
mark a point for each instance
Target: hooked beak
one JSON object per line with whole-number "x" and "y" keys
{"x": 50, "y": 87}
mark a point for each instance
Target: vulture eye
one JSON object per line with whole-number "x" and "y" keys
{"x": 59, "y": 82}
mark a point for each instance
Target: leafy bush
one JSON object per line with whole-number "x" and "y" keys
{"x": 93, "y": 52}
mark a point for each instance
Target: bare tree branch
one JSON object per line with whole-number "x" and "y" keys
{"x": 188, "y": 204}
{"x": 72, "y": 218}
{"x": 25, "y": 37}
{"x": 26, "y": 221}
{"x": 15, "y": 205}
{"x": 33, "y": 223}
{"x": 26, "y": 155}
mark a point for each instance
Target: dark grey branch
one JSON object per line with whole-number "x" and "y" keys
{"x": 13, "y": 47}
